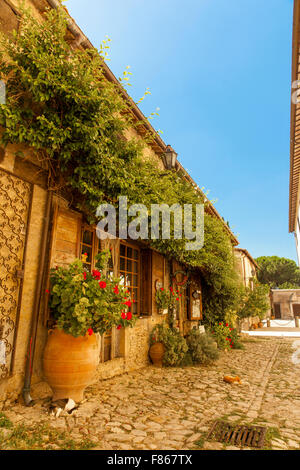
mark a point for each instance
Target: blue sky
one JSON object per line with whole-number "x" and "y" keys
{"x": 220, "y": 72}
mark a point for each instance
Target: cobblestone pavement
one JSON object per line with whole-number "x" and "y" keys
{"x": 173, "y": 408}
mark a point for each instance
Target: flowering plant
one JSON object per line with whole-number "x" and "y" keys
{"x": 225, "y": 336}
{"x": 82, "y": 302}
{"x": 165, "y": 299}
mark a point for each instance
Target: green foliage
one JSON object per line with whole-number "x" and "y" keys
{"x": 82, "y": 301}
{"x": 165, "y": 299}
{"x": 225, "y": 336}
{"x": 254, "y": 302}
{"x": 202, "y": 348}
{"x": 235, "y": 339}
{"x": 60, "y": 104}
{"x": 5, "y": 422}
{"x": 278, "y": 272}
{"x": 175, "y": 345}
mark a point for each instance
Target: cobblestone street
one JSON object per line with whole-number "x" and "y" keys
{"x": 174, "y": 408}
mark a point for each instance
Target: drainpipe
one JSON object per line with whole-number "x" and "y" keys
{"x": 38, "y": 294}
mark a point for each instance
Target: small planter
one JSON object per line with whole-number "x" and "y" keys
{"x": 156, "y": 352}
{"x": 260, "y": 324}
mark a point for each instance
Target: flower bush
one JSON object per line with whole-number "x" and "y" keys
{"x": 82, "y": 302}
{"x": 201, "y": 347}
{"x": 225, "y": 336}
{"x": 175, "y": 345}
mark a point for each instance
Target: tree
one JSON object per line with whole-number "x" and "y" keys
{"x": 278, "y": 272}
{"x": 254, "y": 302}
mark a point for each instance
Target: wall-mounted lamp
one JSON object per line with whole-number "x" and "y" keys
{"x": 170, "y": 158}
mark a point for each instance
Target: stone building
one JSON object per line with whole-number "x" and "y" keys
{"x": 246, "y": 266}
{"x": 39, "y": 230}
{"x": 285, "y": 303}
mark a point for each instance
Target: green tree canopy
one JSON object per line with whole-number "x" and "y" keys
{"x": 278, "y": 272}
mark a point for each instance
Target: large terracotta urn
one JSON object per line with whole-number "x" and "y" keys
{"x": 156, "y": 352}
{"x": 69, "y": 364}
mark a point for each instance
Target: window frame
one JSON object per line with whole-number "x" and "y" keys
{"x": 138, "y": 274}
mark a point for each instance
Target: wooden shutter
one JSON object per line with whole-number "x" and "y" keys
{"x": 65, "y": 237}
{"x": 146, "y": 282}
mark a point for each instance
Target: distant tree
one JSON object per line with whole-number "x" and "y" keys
{"x": 254, "y": 302}
{"x": 278, "y": 272}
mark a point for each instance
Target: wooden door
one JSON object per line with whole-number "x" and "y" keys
{"x": 15, "y": 207}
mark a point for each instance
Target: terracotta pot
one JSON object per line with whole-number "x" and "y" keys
{"x": 157, "y": 351}
{"x": 69, "y": 364}
{"x": 260, "y": 325}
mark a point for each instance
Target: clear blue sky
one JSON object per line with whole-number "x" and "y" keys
{"x": 220, "y": 72}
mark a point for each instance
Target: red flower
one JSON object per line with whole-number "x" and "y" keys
{"x": 102, "y": 284}
{"x": 129, "y": 316}
{"x": 119, "y": 327}
{"x": 226, "y": 324}
{"x": 84, "y": 275}
{"x": 177, "y": 298}
{"x": 116, "y": 290}
{"x": 123, "y": 315}
{"x": 96, "y": 274}
{"x": 220, "y": 324}
{"x": 47, "y": 291}
{"x": 128, "y": 303}
{"x": 90, "y": 331}
{"x": 162, "y": 289}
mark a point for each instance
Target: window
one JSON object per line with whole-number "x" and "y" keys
{"x": 90, "y": 245}
{"x": 130, "y": 273}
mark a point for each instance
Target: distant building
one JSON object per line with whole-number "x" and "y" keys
{"x": 246, "y": 265}
{"x": 285, "y": 303}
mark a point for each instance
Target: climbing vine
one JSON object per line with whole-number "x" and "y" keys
{"x": 60, "y": 104}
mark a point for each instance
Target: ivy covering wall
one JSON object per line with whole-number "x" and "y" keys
{"x": 60, "y": 104}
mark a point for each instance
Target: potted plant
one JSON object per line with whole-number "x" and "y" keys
{"x": 165, "y": 300}
{"x": 162, "y": 299}
{"x": 167, "y": 346}
{"x": 81, "y": 304}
